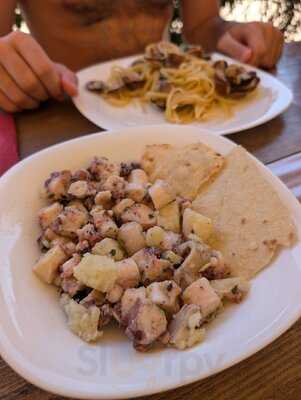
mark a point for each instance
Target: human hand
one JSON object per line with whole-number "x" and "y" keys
{"x": 28, "y": 76}
{"x": 256, "y": 43}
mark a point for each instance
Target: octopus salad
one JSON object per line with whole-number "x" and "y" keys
{"x": 121, "y": 248}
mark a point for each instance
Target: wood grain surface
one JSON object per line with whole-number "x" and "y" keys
{"x": 274, "y": 373}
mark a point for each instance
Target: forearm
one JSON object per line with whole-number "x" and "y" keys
{"x": 202, "y": 23}
{"x": 7, "y": 12}
{"x": 207, "y": 33}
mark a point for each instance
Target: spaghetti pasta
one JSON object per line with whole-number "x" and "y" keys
{"x": 185, "y": 84}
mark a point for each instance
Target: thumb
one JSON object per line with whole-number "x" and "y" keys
{"x": 229, "y": 45}
{"x": 68, "y": 80}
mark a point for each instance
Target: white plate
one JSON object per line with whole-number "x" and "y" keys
{"x": 274, "y": 97}
{"x": 34, "y": 338}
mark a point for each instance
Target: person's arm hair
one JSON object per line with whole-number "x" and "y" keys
{"x": 202, "y": 23}
{"x": 7, "y": 13}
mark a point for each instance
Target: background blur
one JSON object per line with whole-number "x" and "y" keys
{"x": 285, "y": 14}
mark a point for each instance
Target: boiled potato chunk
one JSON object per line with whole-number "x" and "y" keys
{"x": 109, "y": 247}
{"x": 47, "y": 266}
{"x": 97, "y": 272}
{"x": 169, "y": 217}
{"x": 197, "y": 224}
{"x": 82, "y": 321}
{"x": 155, "y": 236}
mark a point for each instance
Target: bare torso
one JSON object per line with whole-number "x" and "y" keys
{"x": 78, "y": 33}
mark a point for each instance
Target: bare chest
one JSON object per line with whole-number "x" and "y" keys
{"x": 89, "y": 31}
{"x": 93, "y": 11}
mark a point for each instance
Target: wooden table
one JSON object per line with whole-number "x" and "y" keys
{"x": 275, "y": 372}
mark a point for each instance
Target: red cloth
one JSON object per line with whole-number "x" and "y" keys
{"x": 8, "y": 142}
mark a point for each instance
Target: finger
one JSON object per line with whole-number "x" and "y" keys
{"x": 22, "y": 74}
{"x": 280, "y": 46}
{"x": 42, "y": 66}
{"x": 7, "y": 105}
{"x": 279, "y": 52}
{"x": 14, "y": 93}
{"x": 270, "y": 58}
{"x": 252, "y": 36}
{"x": 274, "y": 37}
{"x": 69, "y": 80}
{"x": 229, "y": 45}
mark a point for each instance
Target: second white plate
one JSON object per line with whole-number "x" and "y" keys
{"x": 274, "y": 98}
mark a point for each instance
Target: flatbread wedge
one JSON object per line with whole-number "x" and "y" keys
{"x": 186, "y": 169}
{"x": 250, "y": 219}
